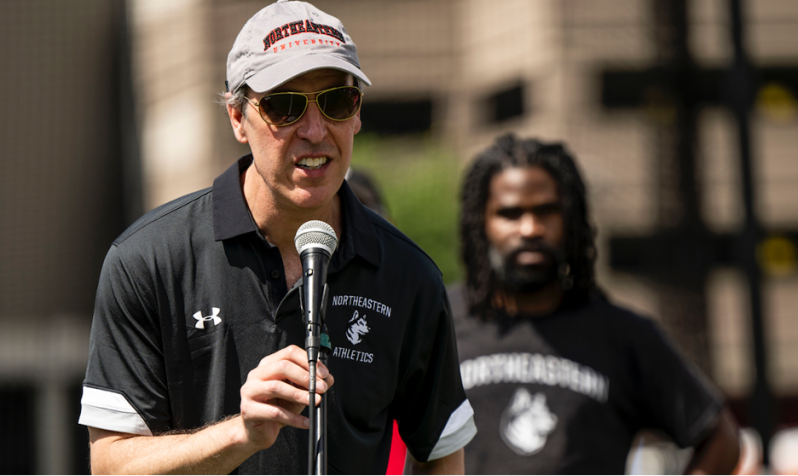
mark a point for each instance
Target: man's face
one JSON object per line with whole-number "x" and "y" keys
{"x": 281, "y": 154}
{"x": 524, "y": 227}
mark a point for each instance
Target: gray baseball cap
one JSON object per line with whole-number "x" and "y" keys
{"x": 288, "y": 39}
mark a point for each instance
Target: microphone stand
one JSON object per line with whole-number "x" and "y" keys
{"x": 315, "y": 242}
{"x": 321, "y": 412}
{"x": 317, "y": 344}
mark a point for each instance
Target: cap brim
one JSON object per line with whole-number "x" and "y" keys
{"x": 275, "y": 75}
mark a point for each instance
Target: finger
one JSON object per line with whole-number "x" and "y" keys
{"x": 292, "y": 352}
{"x": 285, "y": 370}
{"x": 265, "y": 391}
{"x": 283, "y": 413}
{"x": 299, "y": 356}
{"x": 277, "y": 366}
{"x": 324, "y": 379}
{"x": 323, "y": 372}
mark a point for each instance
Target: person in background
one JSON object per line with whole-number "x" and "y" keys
{"x": 196, "y": 359}
{"x": 367, "y": 191}
{"x": 560, "y": 379}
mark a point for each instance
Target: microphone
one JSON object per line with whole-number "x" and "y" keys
{"x": 315, "y": 242}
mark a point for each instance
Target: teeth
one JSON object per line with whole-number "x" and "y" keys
{"x": 310, "y": 163}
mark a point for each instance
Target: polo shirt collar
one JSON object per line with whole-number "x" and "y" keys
{"x": 231, "y": 217}
{"x": 358, "y": 230}
{"x": 230, "y": 213}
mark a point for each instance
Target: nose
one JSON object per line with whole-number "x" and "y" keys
{"x": 530, "y": 226}
{"x": 312, "y": 126}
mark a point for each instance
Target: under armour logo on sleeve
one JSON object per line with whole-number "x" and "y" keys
{"x": 201, "y": 319}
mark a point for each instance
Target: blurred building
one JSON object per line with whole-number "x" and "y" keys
{"x": 114, "y": 111}
{"x": 68, "y": 185}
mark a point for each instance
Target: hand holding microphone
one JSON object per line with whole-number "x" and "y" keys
{"x": 274, "y": 394}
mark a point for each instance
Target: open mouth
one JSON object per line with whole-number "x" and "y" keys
{"x": 531, "y": 258}
{"x": 312, "y": 163}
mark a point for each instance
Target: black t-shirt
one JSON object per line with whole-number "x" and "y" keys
{"x": 566, "y": 393}
{"x": 191, "y": 298}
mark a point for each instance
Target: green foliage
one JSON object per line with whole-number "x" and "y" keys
{"x": 419, "y": 181}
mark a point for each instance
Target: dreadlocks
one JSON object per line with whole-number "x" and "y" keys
{"x": 509, "y": 152}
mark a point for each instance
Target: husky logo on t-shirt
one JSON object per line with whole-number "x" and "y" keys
{"x": 527, "y": 422}
{"x": 357, "y": 328}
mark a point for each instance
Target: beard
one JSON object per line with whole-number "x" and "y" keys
{"x": 525, "y": 278}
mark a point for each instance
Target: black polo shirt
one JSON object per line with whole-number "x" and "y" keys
{"x": 192, "y": 297}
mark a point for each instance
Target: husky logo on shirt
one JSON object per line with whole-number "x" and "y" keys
{"x": 357, "y": 329}
{"x": 527, "y": 422}
{"x": 213, "y": 317}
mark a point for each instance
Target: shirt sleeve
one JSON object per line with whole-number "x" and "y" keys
{"x": 125, "y": 386}
{"x": 435, "y": 418}
{"x": 677, "y": 397}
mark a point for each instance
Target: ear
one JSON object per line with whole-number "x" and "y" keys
{"x": 357, "y": 122}
{"x": 356, "y": 84}
{"x": 237, "y": 120}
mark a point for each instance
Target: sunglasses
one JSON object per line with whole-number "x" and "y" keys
{"x": 281, "y": 109}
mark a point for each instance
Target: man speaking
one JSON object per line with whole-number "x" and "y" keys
{"x": 196, "y": 362}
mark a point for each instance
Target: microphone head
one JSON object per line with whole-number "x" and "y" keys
{"x": 316, "y": 233}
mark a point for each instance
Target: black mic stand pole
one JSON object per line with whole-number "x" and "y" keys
{"x": 321, "y": 410}
{"x": 317, "y": 344}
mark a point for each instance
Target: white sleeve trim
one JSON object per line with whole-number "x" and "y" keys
{"x": 459, "y": 430}
{"x": 111, "y": 411}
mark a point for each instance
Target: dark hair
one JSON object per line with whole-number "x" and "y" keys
{"x": 509, "y": 152}
{"x": 367, "y": 191}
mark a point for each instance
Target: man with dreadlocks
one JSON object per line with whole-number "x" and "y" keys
{"x": 560, "y": 379}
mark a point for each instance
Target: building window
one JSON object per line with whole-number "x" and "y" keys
{"x": 507, "y": 103}
{"x": 397, "y": 116}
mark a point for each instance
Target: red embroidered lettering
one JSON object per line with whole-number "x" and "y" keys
{"x": 282, "y": 47}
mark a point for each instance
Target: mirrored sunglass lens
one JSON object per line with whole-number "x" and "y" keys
{"x": 339, "y": 103}
{"x": 283, "y": 108}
